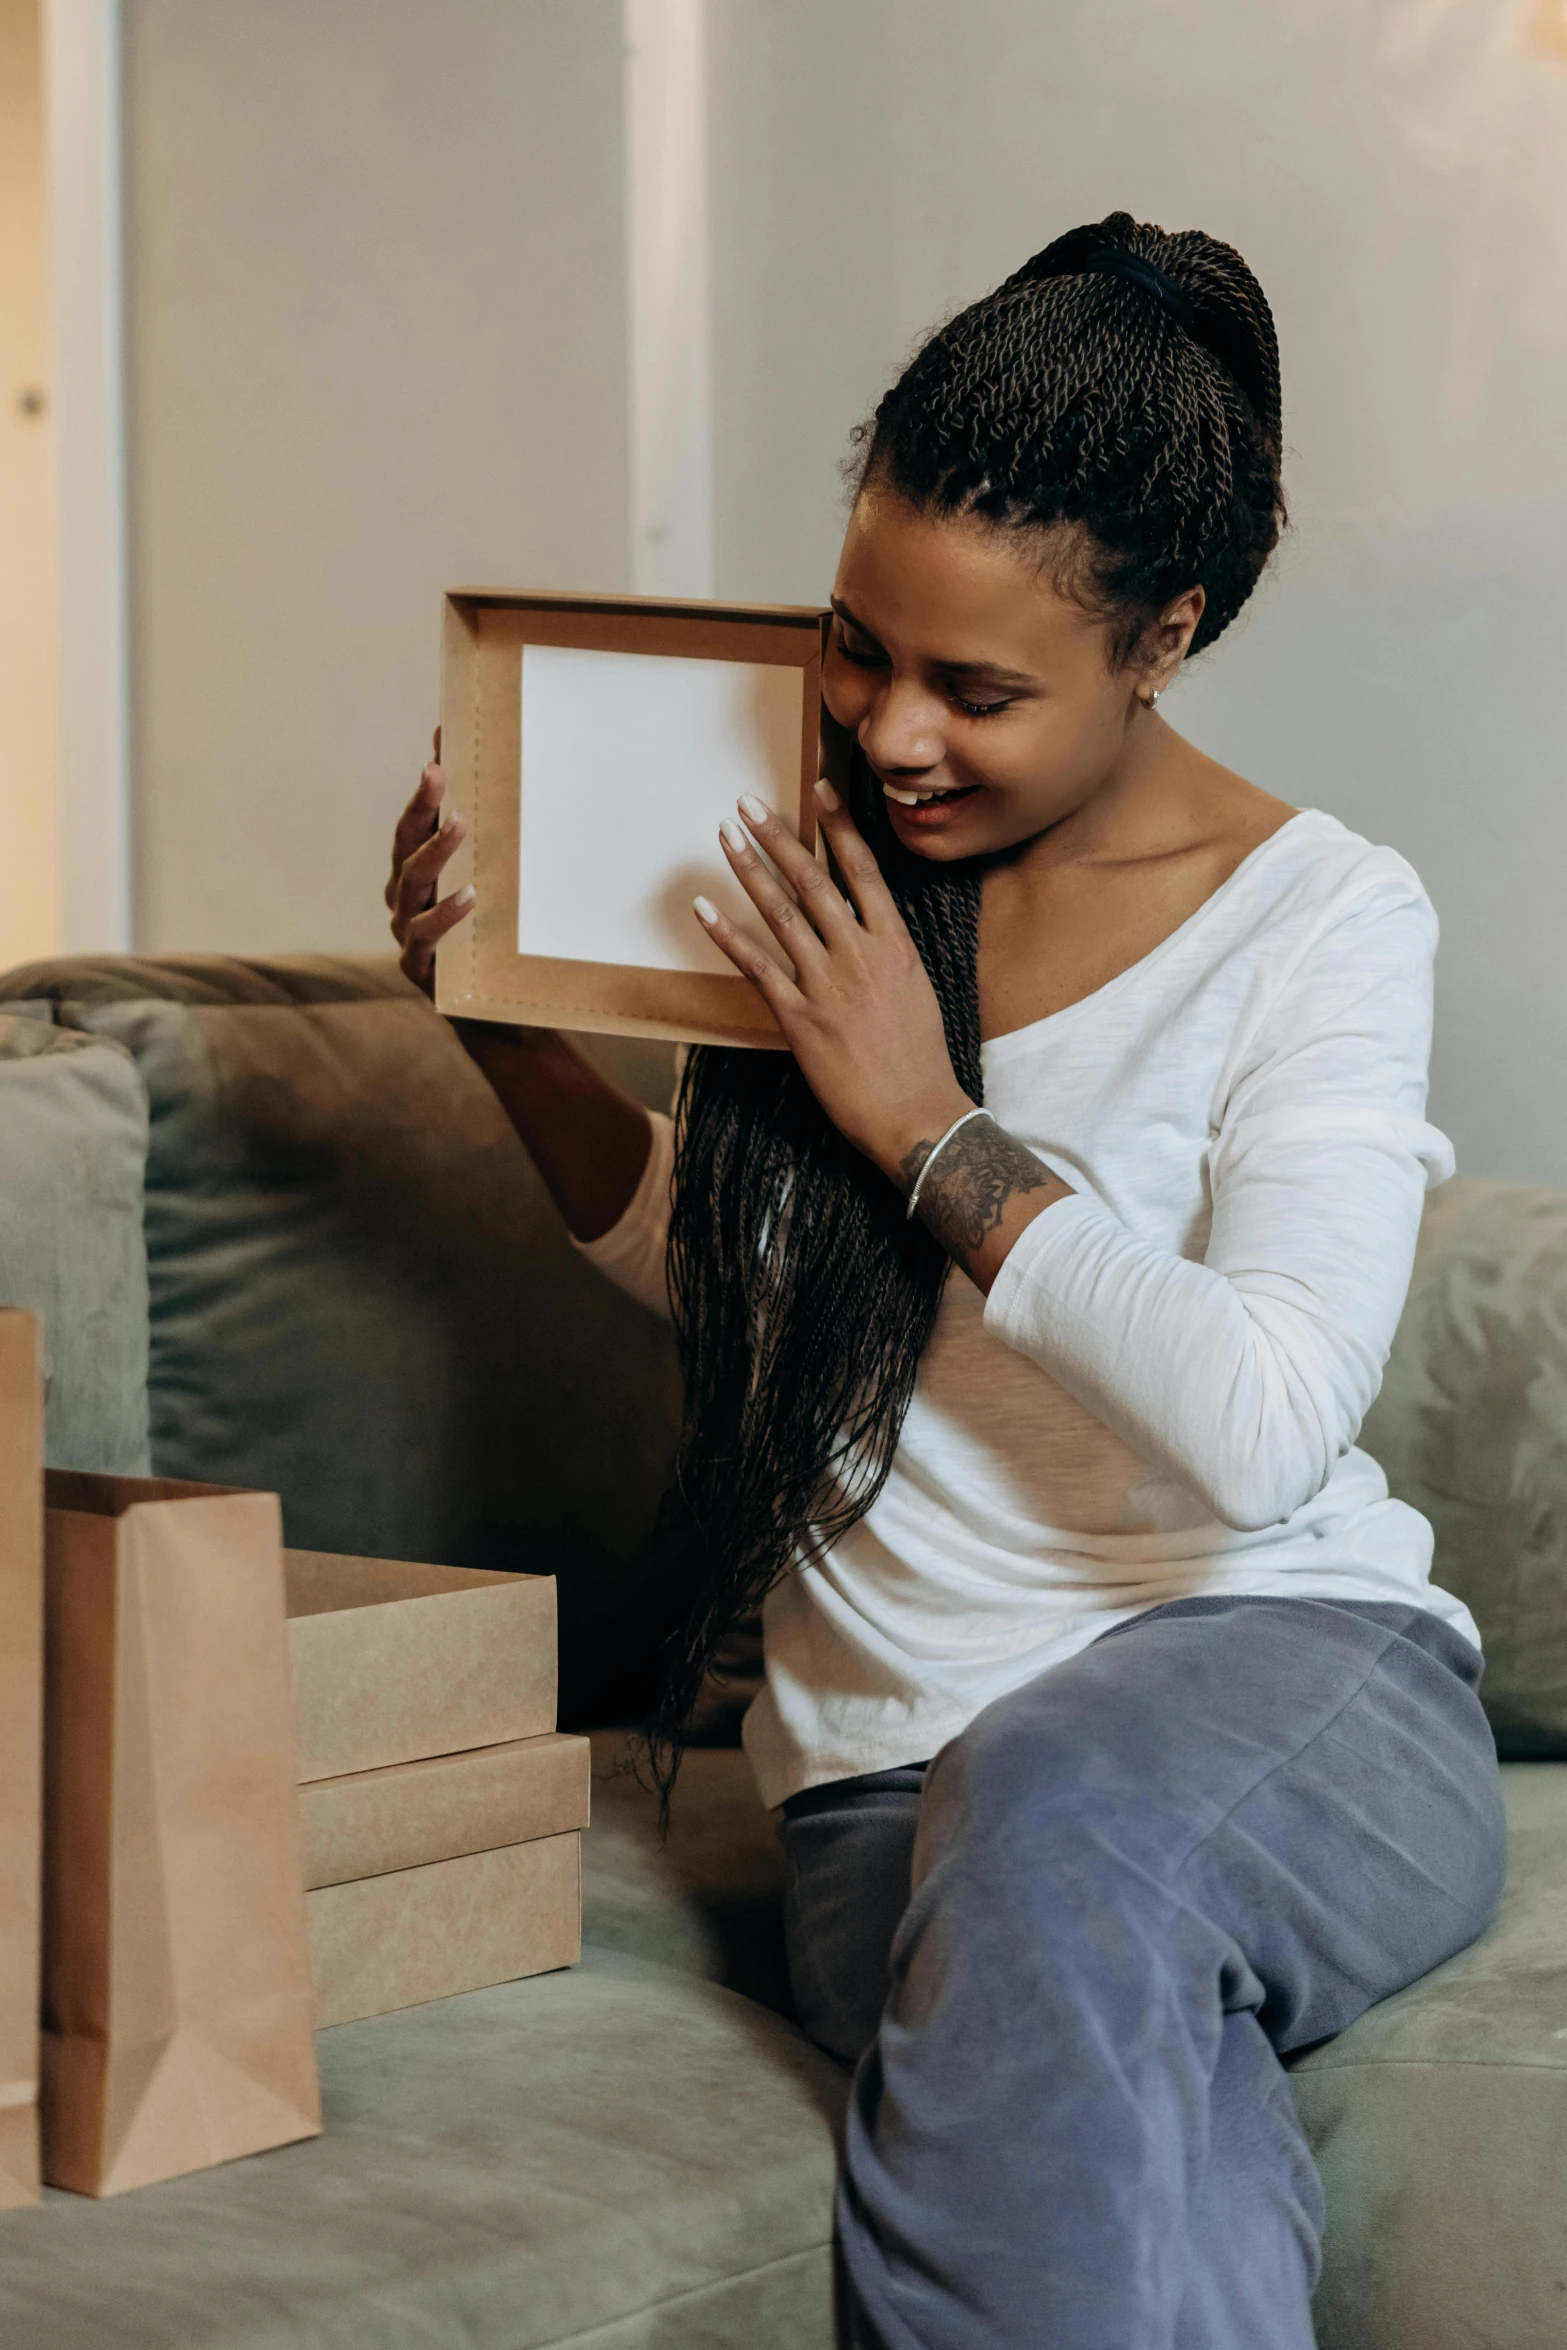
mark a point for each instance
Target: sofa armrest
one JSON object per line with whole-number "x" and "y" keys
{"x": 1471, "y": 1428}
{"x": 73, "y": 1150}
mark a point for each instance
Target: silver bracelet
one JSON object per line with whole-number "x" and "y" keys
{"x": 919, "y": 1180}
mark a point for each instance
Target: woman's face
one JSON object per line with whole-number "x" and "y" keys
{"x": 983, "y": 697}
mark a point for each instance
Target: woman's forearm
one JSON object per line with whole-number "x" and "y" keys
{"x": 978, "y": 1189}
{"x": 589, "y": 1141}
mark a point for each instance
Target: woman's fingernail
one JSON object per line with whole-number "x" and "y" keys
{"x": 826, "y": 797}
{"x": 465, "y": 896}
{"x": 732, "y": 837}
{"x": 705, "y": 911}
{"x": 756, "y": 809}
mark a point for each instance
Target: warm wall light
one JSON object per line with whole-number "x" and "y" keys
{"x": 1550, "y": 26}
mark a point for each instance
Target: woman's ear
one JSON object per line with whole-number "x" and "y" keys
{"x": 1178, "y": 624}
{"x": 1165, "y": 646}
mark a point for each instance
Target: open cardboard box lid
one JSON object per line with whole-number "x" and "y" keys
{"x": 393, "y": 1661}
{"x": 592, "y": 744}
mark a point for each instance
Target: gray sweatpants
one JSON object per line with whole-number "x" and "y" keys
{"x": 1069, "y": 1955}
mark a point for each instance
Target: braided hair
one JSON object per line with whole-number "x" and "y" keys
{"x": 1119, "y": 392}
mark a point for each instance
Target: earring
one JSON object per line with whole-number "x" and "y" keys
{"x": 1153, "y": 698}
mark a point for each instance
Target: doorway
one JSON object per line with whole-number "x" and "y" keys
{"x": 29, "y": 849}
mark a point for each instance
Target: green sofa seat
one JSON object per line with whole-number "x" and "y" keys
{"x": 357, "y": 1295}
{"x": 1439, "y": 2123}
{"x": 630, "y": 2156}
{"x": 1439, "y": 2120}
{"x": 617, "y": 2157}
{"x": 708, "y": 1898}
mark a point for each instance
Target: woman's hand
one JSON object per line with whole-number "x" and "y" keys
{"x": 857, "y": 1008}
{"x": 860, "y": 1015}
{"x": 587, "y": 1140}
{"x": 421, "y": 849}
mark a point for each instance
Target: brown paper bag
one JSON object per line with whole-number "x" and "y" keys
{"x": 177, "y": 1996}
{"x": 21, "y": 1756}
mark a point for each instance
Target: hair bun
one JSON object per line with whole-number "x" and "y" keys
{"x": 1204, "y": 285}
{"x": 1124, "y": 381}
{"x": 1120, "y": 261}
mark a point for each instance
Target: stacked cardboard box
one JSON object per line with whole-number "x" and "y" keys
{"x": 441, "y": 1814}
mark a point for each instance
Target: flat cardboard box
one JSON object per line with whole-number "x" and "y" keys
{"x": 404, "y": 1817}
{"x": 593, "y": 744}
{"x": 457, "y": 1925}
{"x": 393, "y": 1661}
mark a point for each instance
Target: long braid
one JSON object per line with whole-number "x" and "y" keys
{"x": 803, "y": 1299}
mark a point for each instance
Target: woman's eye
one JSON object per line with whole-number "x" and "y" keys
{"x": 863, "y": 656}
{"x": 981, "y": 709}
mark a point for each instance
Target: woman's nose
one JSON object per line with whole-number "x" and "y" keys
{"x": 902, "y": 730}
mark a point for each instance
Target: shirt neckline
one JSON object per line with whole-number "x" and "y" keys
{"x": 1010, "y": 1038}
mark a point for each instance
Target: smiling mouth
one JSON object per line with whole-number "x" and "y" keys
{"x": 927, "y": 799}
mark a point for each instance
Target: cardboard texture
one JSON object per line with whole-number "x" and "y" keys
{"x": 393, "y": 1661}
{"x": 457, "y": 1925}
{"x": 21, "y": 1749}
{"x": 374, "y": 1822}
{"x": 482, "y": 971}
{"x": 176, "y": 1996}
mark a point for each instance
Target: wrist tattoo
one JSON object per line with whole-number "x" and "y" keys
{"x": 965, "y": 1195}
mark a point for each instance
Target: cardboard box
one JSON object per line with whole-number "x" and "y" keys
{"x": 394, "y": 1661}
{"x": 456, "y": 1925}
{"x": 374, "y": 1822}
{"x": 21, "y": 1748}
{"x": 439, "y": 1811}
{"x": 593, "y": 745}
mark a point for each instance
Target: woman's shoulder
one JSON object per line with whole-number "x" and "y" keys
{"x": 1313, "y": 908}
{"x": 1318, "y": 868}
{"x": 1333, "y": 920}
{"x": 1273, "y": 859}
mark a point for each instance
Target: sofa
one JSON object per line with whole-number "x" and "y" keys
{"x": 280, "y": 1235}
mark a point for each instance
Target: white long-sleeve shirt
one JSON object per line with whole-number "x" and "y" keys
{"x": 1160, "y": 1398}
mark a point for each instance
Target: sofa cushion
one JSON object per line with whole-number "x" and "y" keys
{"x": 1471, "y": 1427}
{"x": 1439, "y": 2120}
{"x": 615, "y": 2158}
{"x": 216, "y": 980}
{"x": 625, "y": 2158}
{"x": 363, "y": 1300}
{"x": 1439, "y": 2123}
{"x": 73, "y": 1145}
{"x": 708, "y": 1897}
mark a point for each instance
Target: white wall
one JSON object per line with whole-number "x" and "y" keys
{"x": 376, "y": 345}
{"x": 375, "y": 350}
{"x": 1396, "y": 173}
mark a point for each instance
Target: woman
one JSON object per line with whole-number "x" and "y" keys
{"x": 1121, "y": 1741}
